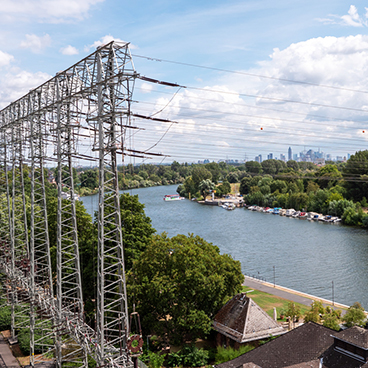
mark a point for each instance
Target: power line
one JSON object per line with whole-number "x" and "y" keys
{"x": 249, "y": 74}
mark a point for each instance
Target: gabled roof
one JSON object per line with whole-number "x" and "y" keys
{"x": 242, "y": 320}
{"x": 302, "y": 345}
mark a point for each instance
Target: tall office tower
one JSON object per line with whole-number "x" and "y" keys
{"x": 290, "y": 154}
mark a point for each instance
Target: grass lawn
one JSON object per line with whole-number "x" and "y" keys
{"x": 268, "y": 301}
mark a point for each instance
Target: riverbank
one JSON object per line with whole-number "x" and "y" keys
{"x": 290, "y": 294}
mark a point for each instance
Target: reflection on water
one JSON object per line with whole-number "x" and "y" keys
{"x": 307, "y": 256}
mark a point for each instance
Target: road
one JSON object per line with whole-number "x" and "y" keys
{"x": 289, "y": 294}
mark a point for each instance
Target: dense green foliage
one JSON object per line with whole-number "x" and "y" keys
{"x": 327, "y": 316}
{"x": 226, "y": 354}
{"x": 188, "y": 356}
{"x": 179, "y": 284}
{"x": 355, "y": 316}
{"x": 5, "y": 317}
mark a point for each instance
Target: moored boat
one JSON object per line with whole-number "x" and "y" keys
{"x": 172, "y": 197}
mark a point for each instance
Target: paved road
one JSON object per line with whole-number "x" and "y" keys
{"x": 289, "y": 294}
{"x": 7, "y": 359}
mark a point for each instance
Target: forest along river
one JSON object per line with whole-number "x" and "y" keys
{"x": 307, "y": 256}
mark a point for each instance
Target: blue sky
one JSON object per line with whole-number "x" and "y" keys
{"x": 322, "y": 42}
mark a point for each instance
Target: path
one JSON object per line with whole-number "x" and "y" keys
{"x": 7, "y": 359}
{"x": 289, "y": 294}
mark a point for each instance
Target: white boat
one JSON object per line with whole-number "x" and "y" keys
{"x": 289, "y": 212}
{"x": 173, "y": 197}
{"x": 228, "y": 206}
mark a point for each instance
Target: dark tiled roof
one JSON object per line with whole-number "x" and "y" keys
{"x": 243, "y": 320}
{"x": 304, "y": 344}
{"x": 304, "y": 347}
{"x": 354, "y": 335}
{"x": 312, "y": 364}
{"x": 334, "y": 359}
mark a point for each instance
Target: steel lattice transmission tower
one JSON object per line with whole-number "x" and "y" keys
{"x": 90, "y": 99}
{"x": 115, "y": 79}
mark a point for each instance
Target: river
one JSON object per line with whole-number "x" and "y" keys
{"x": 317, "y": 258}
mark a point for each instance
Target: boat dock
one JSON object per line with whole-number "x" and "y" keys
{"x": 238, "y": 201}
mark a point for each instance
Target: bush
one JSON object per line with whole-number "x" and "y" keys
{"x": 174, "y": 359}
{"x": 5, "y": 318}
{"x": 226, "y": 354}
{"x": 155, "y": 360}
{"x": 331, "y": 321}
{"x": 354, "y": 316}
{"x": 194, "y": 357}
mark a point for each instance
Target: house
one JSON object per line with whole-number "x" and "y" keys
{"x": 241, "y": 320}
{"x": 309, "y": 346}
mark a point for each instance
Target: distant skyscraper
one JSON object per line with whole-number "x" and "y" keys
{"x": 270, "y": 156}
{"x": 348, "y": 156}
{"x": 290, "y": 154}
{"x": 282, "y": 157}
{"x": 258, "y": 158}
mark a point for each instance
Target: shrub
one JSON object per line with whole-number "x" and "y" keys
{"x": 354, "y": 316}
{"x": 5, "y": 318}
{"x": 156, "y": 360}
{"x": 226, "y": 354}
{"x": 194, "y": 357}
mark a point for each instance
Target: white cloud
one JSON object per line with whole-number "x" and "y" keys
{"x": 146, "y": 87}
{"x": 36, "y": 43}
{"x": 231, "y": 119}
{"x": 5, "y": 58}
{"x": 352, "y": 19}
{"x": 47, "y": 10}
{"x": 105, "y": 40}
{"x": 69, "y": 50}
{"x": 16, "y": 84}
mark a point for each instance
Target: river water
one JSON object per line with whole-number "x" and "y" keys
{"x": 326, "y": 260}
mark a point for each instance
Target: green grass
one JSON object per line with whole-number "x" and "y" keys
{"x": 268, "y": 301}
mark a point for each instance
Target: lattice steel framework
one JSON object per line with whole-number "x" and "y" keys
{"x": 90, "y": 99}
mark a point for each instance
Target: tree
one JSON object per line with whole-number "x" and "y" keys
{"x": 355, "y": 174}
{"x": 215, "y": 170}
{"x": 326, "y": 176}
{"x": 354, "y": 316}
{"x": 293, "y": 312}
{"x": 253, "y": 167}
{"x": 315, "y": 313}
{"x": 200, "y": 173}
{"x": 136, "y": 227}
{"x": 293, "y": 165}
{"x": 232, "y": 177}
{"x": 269, "y": 166}
{"x": 89, "y": 179}
{"x": 179, "y": 284}
{"x": 223, "y": 189}
{"x": 205, "y": 186}
{"x": 248, "y": 182}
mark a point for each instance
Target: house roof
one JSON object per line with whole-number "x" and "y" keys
{"x": 302, "y": 347}
{"x": 355, "y": 335}
{"x": 243, "y": 320}
{"x": 303, "y": 344}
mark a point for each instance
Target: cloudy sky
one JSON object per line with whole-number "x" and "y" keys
{"x": 260, "y": 76}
